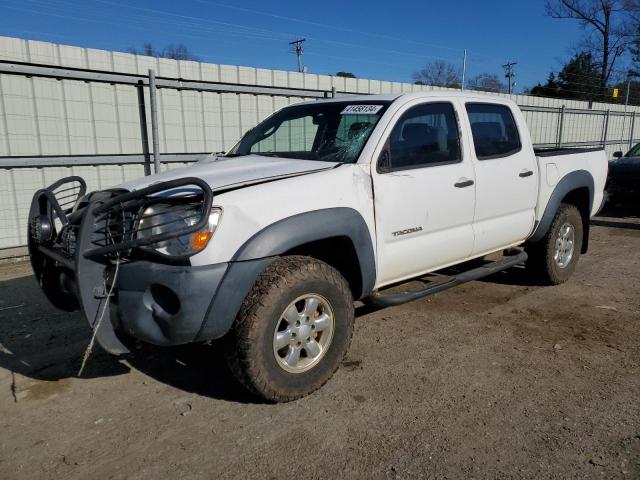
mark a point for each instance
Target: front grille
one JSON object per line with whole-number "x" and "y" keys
{"x": 115, "y": 226}
{"x": 119, "y": 220}
{"x": 69, "y": 240}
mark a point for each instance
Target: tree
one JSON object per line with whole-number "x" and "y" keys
{"x": 579, "y": 79}
{"x": 486, "y": 82}
{"x": 608, "y": 31}
{"x": 175, "y": 52}
{"x": 439, "y": 73}
{"x": 345, "y": 74}
{"x": 635, "y": 51}
{"x": 550, "y": 89}
{"x": 632, "y": 8}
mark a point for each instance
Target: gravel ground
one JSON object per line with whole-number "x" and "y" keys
{"x": 494, "y": 379}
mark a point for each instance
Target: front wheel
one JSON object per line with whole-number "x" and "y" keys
{"x": 293, "y": 329}
{"x": 553, "y": 259}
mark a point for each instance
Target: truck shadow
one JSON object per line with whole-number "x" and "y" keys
{"x": 514, "y": 276}
{"x": 42, "y": 343}
{"x": 619, "y": 215}
{"x": 39, "y": 342}
{"x": 199, "y": 369}
{"x": 615, "y": 224}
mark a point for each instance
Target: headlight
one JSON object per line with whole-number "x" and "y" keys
{"x": 166, "y": 218}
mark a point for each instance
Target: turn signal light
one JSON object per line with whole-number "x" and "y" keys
{"x": 199, "y": 240}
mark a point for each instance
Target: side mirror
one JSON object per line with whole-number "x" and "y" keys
{"x": 617, "y": 154}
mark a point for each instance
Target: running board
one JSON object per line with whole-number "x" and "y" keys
{"x": 381, "y": 300}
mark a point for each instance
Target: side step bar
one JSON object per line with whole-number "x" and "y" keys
{"x": 381, "y": 300}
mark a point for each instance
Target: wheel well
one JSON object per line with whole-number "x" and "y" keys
{"x": 338, "y": 252}
{"x": 581, "y": 199}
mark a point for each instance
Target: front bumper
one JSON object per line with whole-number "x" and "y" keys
{"x": 76, "y": 244}
{"x": 163, "y": 304}
{"x": 173, "y": 305}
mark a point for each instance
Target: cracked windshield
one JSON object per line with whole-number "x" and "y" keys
{"x": 324, "y": 131}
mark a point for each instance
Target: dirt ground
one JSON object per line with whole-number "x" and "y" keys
{"x": 494, "y": 379}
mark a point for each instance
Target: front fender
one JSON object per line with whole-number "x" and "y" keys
{"x": 252, "y": 258}
{"x": 297, "y": 230}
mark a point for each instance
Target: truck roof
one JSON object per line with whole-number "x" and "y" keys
{"x": 471, "y": 95}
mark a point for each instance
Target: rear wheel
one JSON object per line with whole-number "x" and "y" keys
{"x": 293, "y": 329}
{"x": 553, "y": 259}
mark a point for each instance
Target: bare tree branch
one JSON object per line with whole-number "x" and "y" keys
{"x": 439, "y": 73}
{"x": 609, "y": 29}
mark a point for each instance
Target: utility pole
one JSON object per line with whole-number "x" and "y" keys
{"x": 509, "y": 74}
{"x": 296, "y": 47}
{"x": 630, "y": 75}
{"x": 464, "y": 68}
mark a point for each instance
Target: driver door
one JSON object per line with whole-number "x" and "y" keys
{"x": 424, "y": 193}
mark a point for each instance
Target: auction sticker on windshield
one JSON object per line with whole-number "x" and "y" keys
{"x": 361, "y": 110}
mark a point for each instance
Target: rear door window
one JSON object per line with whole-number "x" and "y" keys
{"x": 495, "y": 134}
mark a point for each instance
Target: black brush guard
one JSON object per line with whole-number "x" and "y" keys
{"x": 75, "y": 240}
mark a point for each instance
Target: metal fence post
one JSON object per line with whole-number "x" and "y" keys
{"x": 144, "y": 134}
{"x": 605, "y": 128}
{"x": 560, "y": 127}
{"x": 633, "y": 127}
{"x": 154, "y": 120}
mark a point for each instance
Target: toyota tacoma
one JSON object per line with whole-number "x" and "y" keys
{"x": 322, "y": 204}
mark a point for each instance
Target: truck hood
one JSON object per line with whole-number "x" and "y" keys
{"x": 225, "y": 172}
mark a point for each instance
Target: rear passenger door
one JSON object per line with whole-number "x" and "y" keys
{"x": 506, "y": 176}
{"x": 423, "y": 192}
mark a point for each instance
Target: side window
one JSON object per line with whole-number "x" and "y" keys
{"x": 425, "y": 135}
{"x": 494, "y": 130}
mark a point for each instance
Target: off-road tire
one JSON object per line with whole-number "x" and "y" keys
{"x": 249, "y": 344}
{"x": 541, "y": 264}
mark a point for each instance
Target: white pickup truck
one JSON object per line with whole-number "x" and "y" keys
{"x": 321, "y": 204}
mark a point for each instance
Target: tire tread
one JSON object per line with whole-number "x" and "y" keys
{"x": 281, "y": 275}
{"x": 540, "y": 263}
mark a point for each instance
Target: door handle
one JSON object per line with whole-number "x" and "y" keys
{"x": 526, "y": 173}
{"x": 463, "y": 183}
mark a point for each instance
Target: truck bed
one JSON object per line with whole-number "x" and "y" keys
{"x": 558, "y": 151}
{"x": 556, "y": 163}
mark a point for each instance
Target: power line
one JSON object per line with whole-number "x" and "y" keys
{"x": 231, "y": 29}
{"x": 325, "y": 25}
{"x": 202, "y": 24}
{"x": 246, "y": 30}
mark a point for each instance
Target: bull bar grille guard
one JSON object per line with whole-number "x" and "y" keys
{"x": 115, "y": 217}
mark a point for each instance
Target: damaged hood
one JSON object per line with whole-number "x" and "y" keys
{"x": 229, "y": 172}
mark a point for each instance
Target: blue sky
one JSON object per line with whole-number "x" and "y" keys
{"x": 383, "y": 40}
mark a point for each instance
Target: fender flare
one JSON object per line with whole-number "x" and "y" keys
{"x": 568, "y": 183}
{"x": 253, "y": 257}
{"x": 288, "y": 233}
